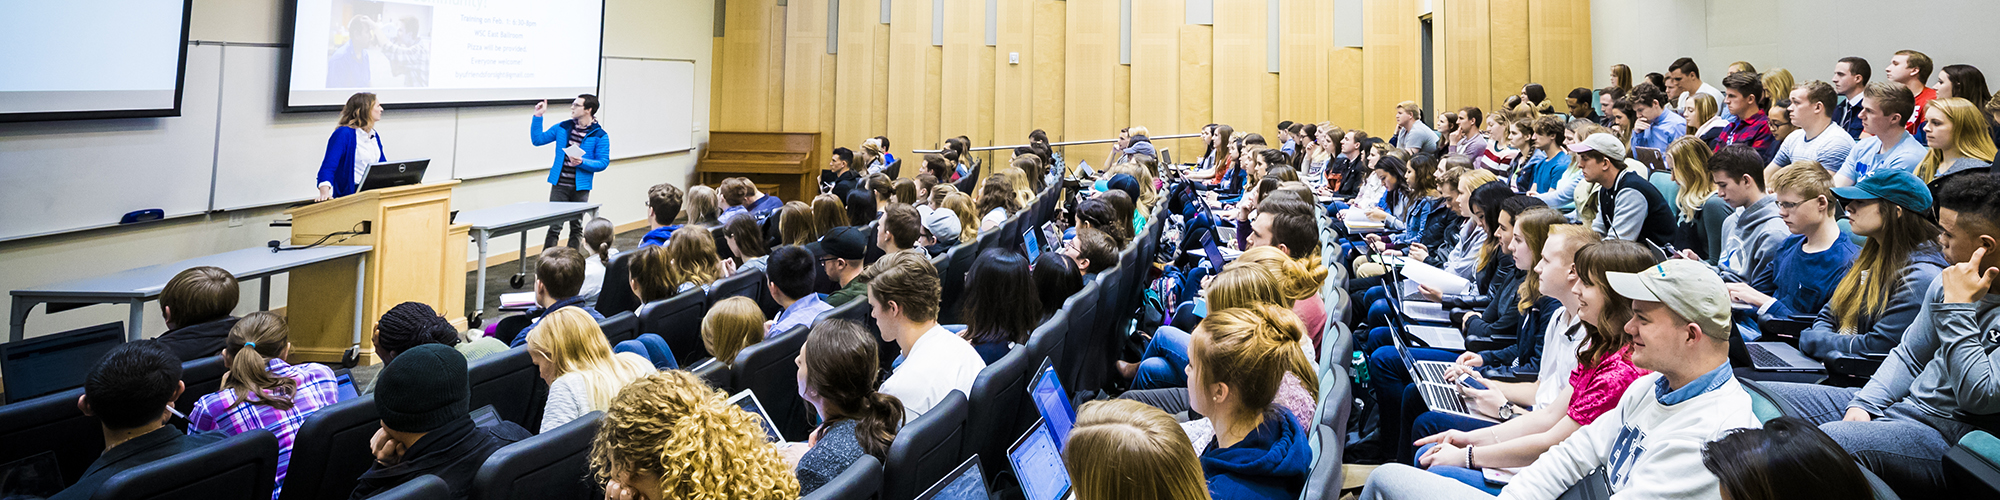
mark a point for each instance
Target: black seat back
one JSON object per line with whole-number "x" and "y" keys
{"x": 553, "y": 465}
{"x": 424, "y": 487}
{"x": 770, "y": 369}
{"x": 926, "y": 450}
{"x": 241, "y": 467}
{"x": 203, "y": 377}
{"x": 860, "y": 313}
{"x": 620, "y": 327}
{"x": 951, "y": 278}
{"x": 51, "y": 423}
{"x": 510, "y": 382}
{"x": 615, "y": 296}
{"x": 1082, "y": 344}
{"x": 331, "y": 450}
{"x": 861, "y": 481}
{"x": 720, "y": 377}
{"x": 742, "y": 284}
{"x": 678, "y": 320}
{"x": 1000, "y": 407}
{"x": 1050, "y": 339}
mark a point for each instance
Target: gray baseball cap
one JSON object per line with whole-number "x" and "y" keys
{"x": 1687, "y": 287}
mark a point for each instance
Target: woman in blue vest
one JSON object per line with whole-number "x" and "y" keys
{"x": 353, "y": 147}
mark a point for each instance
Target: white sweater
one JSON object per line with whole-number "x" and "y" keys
{"x": 1650, "y": 450}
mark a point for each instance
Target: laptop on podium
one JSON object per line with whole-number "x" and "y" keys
{"x": 395, "y": 173}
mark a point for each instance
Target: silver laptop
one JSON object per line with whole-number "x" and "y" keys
{"x": 1780, "y": 357}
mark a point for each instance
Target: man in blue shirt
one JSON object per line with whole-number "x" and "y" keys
{"x": 1657, "y": 126}
{"x": 663, "y": 203}
{"x": 1883, "y": 114}
{"x": 791, "y": 275}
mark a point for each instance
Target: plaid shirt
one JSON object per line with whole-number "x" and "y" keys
{"x": 1753, "y": 131}
{"x": 219, "y": 410}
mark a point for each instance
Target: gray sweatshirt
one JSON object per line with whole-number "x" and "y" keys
{"x": 1751, "y": 236}
{"x": 1823, "y": 341}
{"x": 1946, "y": 366}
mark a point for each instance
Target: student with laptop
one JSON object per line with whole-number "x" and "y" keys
{"x": 352, "y": 148}
{"x": 1123, "y": 449}
{"x": 1883, "y": 293}
{"x": 1235, "y": 367}
{"x": 262, "y": 391}
{"x": 196, "y": 305}
{"x": 935, "y": 361}
{"x": 1799, "y": 278}
{"x": 670, "y": 435}
{"x": 1649, "y": 445}
{"x": 131, "y": 392}
{"x": 837, "y": 370}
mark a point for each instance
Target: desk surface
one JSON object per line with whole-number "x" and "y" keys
{"x": 522, "y": 213}
{"x": 146, "y": 282}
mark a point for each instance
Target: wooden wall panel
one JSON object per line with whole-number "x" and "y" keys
{"x": 1344, "y": 87}
{"x": 1467, "y": 59}
{"x": 909, "y": 62}
{"x": 964, "y": 65}
{"x": 1047, "y": 71}
{"x": 1559, "y": 46}
{"x": 1197, "y": 81}
{"x": 1240, "y": 67}
{"x": 1509, "y": 48}
{"x": 750, "y": 58}
{"x": 1013, "y": 83}
{"x": 856, "y": 67}
{"x": 1091, "y": 54}
{"x": 1389, "y": 62}
{"x": 1304, "y": 39}
{"x": 807, "y": 73}
{"x": 1156, "y": 73}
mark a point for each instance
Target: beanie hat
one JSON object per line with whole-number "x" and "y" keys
{"x": 411, "y": 324}
{"x": 423, "y": 389}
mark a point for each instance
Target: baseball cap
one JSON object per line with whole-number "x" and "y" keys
{"x": 1601, "y": 143}
{"x": 943, "y": 224}
{"x": 1687, "y": 287}
{"x": 1894, "y": 186}
{"x": 844, "y": 242}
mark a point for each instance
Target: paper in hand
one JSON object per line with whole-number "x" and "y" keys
{"x": 574, "y": 151}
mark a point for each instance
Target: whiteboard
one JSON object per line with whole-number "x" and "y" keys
{"x": 648, "y": 106}
{"x": 71, "y": 175}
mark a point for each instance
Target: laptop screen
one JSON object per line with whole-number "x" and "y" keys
{"x": 964, "y": 483}
{"x": 54, "y": 363}
{"x": 1053, "y": 403}
{"x": 36, "y": 476}
{"x": 748, "y": 401}
{"x": 1032, "y": 244}
{"x": 1038, "y": 465}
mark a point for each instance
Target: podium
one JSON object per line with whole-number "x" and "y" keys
{"x": 417, "y": 255}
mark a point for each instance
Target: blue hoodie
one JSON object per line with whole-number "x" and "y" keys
{"x": 1269, "y": 464}
{"x": 659, "y": 235}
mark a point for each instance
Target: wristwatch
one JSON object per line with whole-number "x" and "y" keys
{"x": 1509, "y": 410}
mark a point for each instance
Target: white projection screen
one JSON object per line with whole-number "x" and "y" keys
{"x": 96, "y": 59}
{"x": 438, "y": 53}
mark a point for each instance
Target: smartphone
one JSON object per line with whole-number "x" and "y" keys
{"x": 1468, "y": 381}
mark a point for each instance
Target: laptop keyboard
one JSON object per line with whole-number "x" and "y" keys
{"x": 1443, "y": 398}
{"x": 1432, "y": 371}
{"x": 1761, "y": 356}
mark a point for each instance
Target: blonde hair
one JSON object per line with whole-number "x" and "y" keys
{"x": 1017, "y": 179}
{"x": 1778, "y": 80}
{"x": 733, "y": 324}
{"x": 573, "y": 344}
{"x": 1689, "y": 157}
{"x": 1969, "y": 135}
{"x": 1472, "y": 179}
{"x": 1807, "y": 179}
{"x": 968, "y": 221}
{"x": 1704, "y": 110}
{"x": 1533, "y": 225}
{"x": 1245, "y": 286}
{"x": 1147, "y": 196}
{"x": 691, "y": 257}
{"x": 703, "y": 205}
{"x": 1249, "y": 349}
{"x": 673, "y": 426}
{"x": 1126, "y": 449}
{"x": 1299, "y": 279}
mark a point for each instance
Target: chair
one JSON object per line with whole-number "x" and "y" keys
{"x": 620, "y": 327}
{"x": 1664, "y": 183}
{"x": 1000, "y": 407}
{"x": 510, "y": 382}
{"x": 53, "y": 424}
{"x": 203, "y": 377}
{"x": 926, "y": 450}
{"x": 1079, "y": 342}
{"x": 617, "y": 297}
{"x": 241, "y": 467}
{"x": 1762, "y": 403}
{"x": 742, "y": 284}
{"x": 861, "y": 481}
{"x": 958, "y": 261}
{"x": 1048, "y": 340}
{"x": 331, "y": 451}
{"x": 858, "y": 311}
{"x": 1324, "y": 481}
{"x": 720, "y": 377}
{"x": 770, "y": 369}
{"x": 553, "y": 465}
{"x": 425, "y": 487}
{"x": 678, "y": 319}
{"x": 1972, "y": 468}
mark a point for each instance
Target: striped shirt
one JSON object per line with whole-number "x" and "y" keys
{"x": 219, "y": 410}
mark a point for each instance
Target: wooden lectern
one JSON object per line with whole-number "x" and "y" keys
{"x": 419, "y": 256}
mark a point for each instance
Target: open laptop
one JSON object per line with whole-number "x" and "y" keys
{"x": 1440, "y": 394}
{"x": 1032, "y": 243}
{"x": 395, "y": 173}
{"x": 1053, "y": 403}
{"x": 748, "y": 401}
{"x": 36, "y": 476}
{"x": 963, "y": 483}
{"x": 1038, "y": 465}
{"x": 1440, "y": 337}
{"x": 54, "y": 363}
{"x": 1780, "y": 357}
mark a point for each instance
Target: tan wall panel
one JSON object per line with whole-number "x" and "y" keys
{"x": 1197, "y": 80}
{"x": 1559, "y": 46}
{"x": 1239, "y": 65}
{"x": 1304, "y": 39}
{"x": 749, "y": 61}
{"x": 909, "y": 60}
{"x": 1509, "y": 48}
{"x": 855, "y": 70}
{"x": 808, "y": 70}
{"x": 1091, "y": 53}
{"x": 1156, "y": 73}
{"x": 1467, "y": 60}
{"x": 988, "y": 93}
{"x": 878, "y": 117}
{"x": 1048, "y": 67}
{"x": 965, "y": 63}
{"x": 1390, "y": 63}
{"x": 1013, "y": 83}
{"x": 1344, "y": 86}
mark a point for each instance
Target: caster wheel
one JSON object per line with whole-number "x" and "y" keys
{"x": 518, "y": 281}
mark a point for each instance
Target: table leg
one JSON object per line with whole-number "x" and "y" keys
{"x": 17, "y": 321}
{"x": 360, "y": 287}
{"x": 264, "y": 293}
{"x": 522, "y": 258}
{"x": 138, "y": 320}
{"x": 480, "y": 284}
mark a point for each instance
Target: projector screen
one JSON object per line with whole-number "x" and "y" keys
{"x": 432, "y": 53}
{"x": 96, "y": 59}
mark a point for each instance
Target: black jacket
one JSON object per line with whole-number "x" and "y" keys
{"x": 452, "y": 453}
{"x": 200, "y": 340}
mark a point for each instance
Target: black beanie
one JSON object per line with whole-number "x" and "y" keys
{"x": 423, "y": 389}
{"x": 411, "y": 324}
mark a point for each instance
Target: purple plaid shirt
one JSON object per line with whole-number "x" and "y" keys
{"x": 1754, "y": 131}
{"x": 219, "y": 410}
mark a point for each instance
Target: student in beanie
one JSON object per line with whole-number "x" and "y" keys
{"x": 423, "y": 397}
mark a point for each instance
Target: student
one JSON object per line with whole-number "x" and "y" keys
{"x": 1966, "y": 82}
{"x": 1699, "y": 221}
{"x": 1747, "y": 99}
{"x": 900, "y": 227}
{"x": 1685, "y": 77}
{"x": 1911, "y": 69}
{"x": 742, "y": 196}
{"x": 961, "y": 205}
{"x": 1094, "y": 252}
{"x": 598, "y": 237}
{"x": 1237, "y": 360}
{"x": 1470, "y": 143}
{"x": 840, "y": 178}
{"x": 1937, "y": 384}
{"x": 1621, "y": 77}
{"x": 1800, "y": 277}
{"x": 411, "y": 324}
{"x": 1126, "y": 449}
{"x": 1751, "y": 233}
{"x": 704, "y": 207}
{"x": 841, "y": 252}
{"x": 131, "y": 393}
{"x": 1163, "y": 362}
{"x": 352, "y": 148}
{"x": 1882, "y": 294}
{"x": 558, "y": 278}
{"x": 1787, "y": 459}
{"x": 1620, "y": 116}
{"x": 1705, "y": 117}
{"x": 861, "y": 208}
{"x": 569, "y": 177}
{"x": 1411, "y": 133}
{"x": 999, "y": 303}
{"x": 424, "y": 397}
{"x": 1850, "y": 80}
{"x": 665, "y": 435}
{"x": 1552, "y": 182}
{"x": 732, "y": 325}
{"x": 1657, "y": 126}
{"x": 1959, "y": 141}
{"x": 1579, "y": 103}
{"x": 663, "y": 204}
{"x": 1056, "y": 279}
{"x": 934, "y": 362}
{"x": 1810, "y": 104}
{"x": 1889, "y": 148}
{"x": 1433, "y": 223}
{"x": 790, "y": 279}
{"x": 746, "y": 243}
{"x": 1629, "y": 207}
{"x": 651, "y": 278}
{"x": 940, "y": 231}
{"x": 691, "y": 259}
{"x": 261, "y": 391}
{"x": 196, "y": 305}
{"x": 576, "y": 362}
{"x": 837, "y": 369}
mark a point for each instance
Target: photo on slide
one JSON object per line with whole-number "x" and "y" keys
{"x": 378, "y": 45}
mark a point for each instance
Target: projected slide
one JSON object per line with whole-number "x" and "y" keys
{"x": 96, "y": 59}
{"x": 415, "y": 52}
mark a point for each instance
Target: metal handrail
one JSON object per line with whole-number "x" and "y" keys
{"x": 1055, "y": 144}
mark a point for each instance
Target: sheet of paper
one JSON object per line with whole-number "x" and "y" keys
{"x": 573, "y": 150}
{"x": 1442, "y": 280}
{"x": 1426, "y": 311}
{"x": 522, "y": 299}
{"x": 1440, "y": 337}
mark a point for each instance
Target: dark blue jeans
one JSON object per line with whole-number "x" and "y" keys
{"x": 1428, "y": 423}
{"x": 1165, "y": 362}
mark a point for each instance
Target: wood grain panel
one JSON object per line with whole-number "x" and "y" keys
{"x": 1091, "y": 53}
{"x": 1509, "y": 48}
{"x": 1156, "y": 90}
{"x": 1389, "y": 63}
{"x": 964, "y": 64}
{"x": 808, "y": 68}
{"x": 1467, "y": 59}
{"x": 909, "y": 61}
{"x": 1304, "y": 38}
{"x": 1344, "y": 86}
{"x": 1197, "y": 85}
{"x": 1013, "y": 83}
{"x": 988, "y": 92}
{"x": 749, "y": 64}
{"x": 1048, "y": 67}
{"x": 1240, "y": 65}
{"x": 1559, "y": 46}
{"x": 855, "y": 70}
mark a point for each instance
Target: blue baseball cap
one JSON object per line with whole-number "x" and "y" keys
{"x": 1894, "y": 186}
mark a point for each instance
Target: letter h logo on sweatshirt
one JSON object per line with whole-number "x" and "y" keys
{"x": 1624, "y": 454}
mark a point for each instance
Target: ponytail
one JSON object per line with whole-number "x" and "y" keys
{"x": 841, "y": 371}
{"x": 256, "y": 339}
{"x": 599, "y": 233}
{"x": 876, "y": 423}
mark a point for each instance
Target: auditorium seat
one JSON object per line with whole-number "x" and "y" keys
{"x": 1972, "y": 468}
{"x": 958, "y": 261}
{"x": 720, "y": 377}
{"x": 861, "y": 481}
{"x": 620, "y": 327}
{"x": 1762, "y": 403}
{"x": 51, "y": 423}
{"x": 203, "y": 377}
{"x": 240, "y": 467}
{"x": 616, "y": 295}
{"x": 1048, "y": 341}
{"x": 553, "y": 465}
{"x": 425, "y": 487}
{"x": 771, "y": 370}
{"x": 1323, "y": 482}
{"x": 1000, "y": 408}
{"x": 926, "y": 450}
{"x": 331, "y": 450}
{"x": 743, "y": 284}
{"x": 1078, "y": 339}
{"x": 860, "y": 313}
{"x": 510, "y": 382}
{"x": 678, "y": 319}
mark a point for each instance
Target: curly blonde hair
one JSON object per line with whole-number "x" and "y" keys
{"x": 672, "y": 426}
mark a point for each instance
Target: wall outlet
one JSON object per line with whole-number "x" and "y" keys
{"x": 236, "y": 218}
{"x": 1013, "y": 58}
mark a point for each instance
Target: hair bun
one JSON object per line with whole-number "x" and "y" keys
{"x": 1283, "y": 324}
